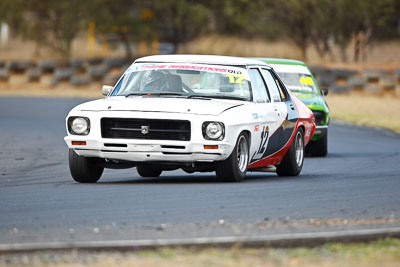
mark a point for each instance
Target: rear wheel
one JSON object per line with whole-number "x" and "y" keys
{"x": 319, "y": 148}
{"x": 148, "y": 171}
{"x": 292, "y": 162}
{"x": 234, "y": 168}
{"x": 84, "y": 170}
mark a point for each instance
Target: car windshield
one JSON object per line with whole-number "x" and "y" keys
{"x": 298, "y": 81}
{"x": 185, "y": 80}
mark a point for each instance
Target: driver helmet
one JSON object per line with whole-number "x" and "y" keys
{"x": 155, "y": 82}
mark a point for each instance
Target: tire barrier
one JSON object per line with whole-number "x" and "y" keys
{"x": 62, "y": 74}
{"x": 33, "y": 74}
{"x": 97, "y": 73}
{"x": 47, "y": 66}
{"x": 369, "y": 81}
{"x": 78, "y": 80}
{"x": 115, "y": 62}
{"x": 18, "y": 66}
{"x": 78, "y": 65}
{"x": 82, "y": 72}
{"x": 4, "y": 75}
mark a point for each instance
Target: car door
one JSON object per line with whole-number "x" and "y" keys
{"x": 285, "y": 108}
{"x": 265, "y": 116}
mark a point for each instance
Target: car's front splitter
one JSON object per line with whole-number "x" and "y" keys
{"x": 147, "y": 151}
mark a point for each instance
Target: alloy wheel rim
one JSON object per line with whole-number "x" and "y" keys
{"x": 299, "y": 149}
{"x": 242, "y": 154}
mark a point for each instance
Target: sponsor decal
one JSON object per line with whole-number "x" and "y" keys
{"x": 256, "y": 128}
{"x": 184, "y": 67}
{"x": 234, "y": 74}
{"x": 263, "y": 143}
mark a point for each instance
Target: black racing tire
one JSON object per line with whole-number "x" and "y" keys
{"x": 148, "y": 171}
{"x": 292, "y": 162}
{"x": 234, "y": 168}
{"x": 84, "y": 170}
{"x": 319, "y": 148}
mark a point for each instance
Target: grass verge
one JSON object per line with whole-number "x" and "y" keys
{"x": 366, "y": 110}
{"x": 383, "y": 252}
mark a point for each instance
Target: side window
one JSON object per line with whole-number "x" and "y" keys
{"x": 281, "y": 87}
{"x": 260, "y": 94}
{"x": 118, "y": 86}
{"x": 272, "y": 86}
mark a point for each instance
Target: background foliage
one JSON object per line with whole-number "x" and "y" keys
{"x": 318, "y": 23}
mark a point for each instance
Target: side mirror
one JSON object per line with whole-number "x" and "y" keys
{"x": 106, "y": 89}
{"x": 324, "y": 91}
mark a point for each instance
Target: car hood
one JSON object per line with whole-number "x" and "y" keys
{"x": 160, "y": 104}
{"x": 311, "y": 100}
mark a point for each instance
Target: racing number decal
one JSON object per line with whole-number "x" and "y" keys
{"x": 306, "y": 81}
{"x": 239, "y": 78}
{"x": 263, "y": 143}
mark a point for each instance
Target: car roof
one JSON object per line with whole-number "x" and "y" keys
{"x": 281, "y": 61}
{"x": 201, "y": 59}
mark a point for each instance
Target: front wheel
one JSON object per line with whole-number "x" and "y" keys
{"x": 234, "y": 168}
{"x": 84, "y": 170}
{"x": 318, "y": 148}
{"x": 292, "y": 162}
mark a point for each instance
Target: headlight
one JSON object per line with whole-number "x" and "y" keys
{"x": 213, "y": 130}
{"x": 79, "y": 125}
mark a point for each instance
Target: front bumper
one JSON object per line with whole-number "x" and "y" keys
{"x": 319, "y": 132}
{"x": 149, "y": 150}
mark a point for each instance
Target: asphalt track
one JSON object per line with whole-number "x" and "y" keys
{"x": 353, "y": 189}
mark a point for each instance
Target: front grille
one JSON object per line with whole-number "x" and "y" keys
{"x": 319, "y": 117}
{"x": 150, "y": 129}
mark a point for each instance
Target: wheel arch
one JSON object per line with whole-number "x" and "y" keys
{"x": 248, "y": 133}
{"x": 303, "y": 125}
{"x": 234, "y": 131}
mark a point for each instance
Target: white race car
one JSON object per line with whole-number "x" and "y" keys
{"x": 197, "y": 113}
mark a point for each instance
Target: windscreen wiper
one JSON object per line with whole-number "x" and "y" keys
{"x": 218, "y": 97}
{"x": 149, "y": 94}
{"x": 136, "y": 94}
{"x": 166, "y": 94}
{"x": 199, "y": 97}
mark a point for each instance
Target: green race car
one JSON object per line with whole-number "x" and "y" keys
{"x": 299, "y": 79}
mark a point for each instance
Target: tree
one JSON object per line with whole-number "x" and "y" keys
{"x": 50, "y": 23}
{"x": 118, "y": 17}
{"x": 237, "y": 17}
{"x": 54, "y": 23}
{"x": 11, "y": 11}
{"x": 179, "y": 21}
{"x": 296, "y": 18}
{"x": 322, "y": 28}
{"x": 375, "y": 17}
{"x": 317, "y": 22}
{"x": 361, "y": 20}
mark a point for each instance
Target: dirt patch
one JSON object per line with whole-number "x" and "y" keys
{"x": 383, "y": 252}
